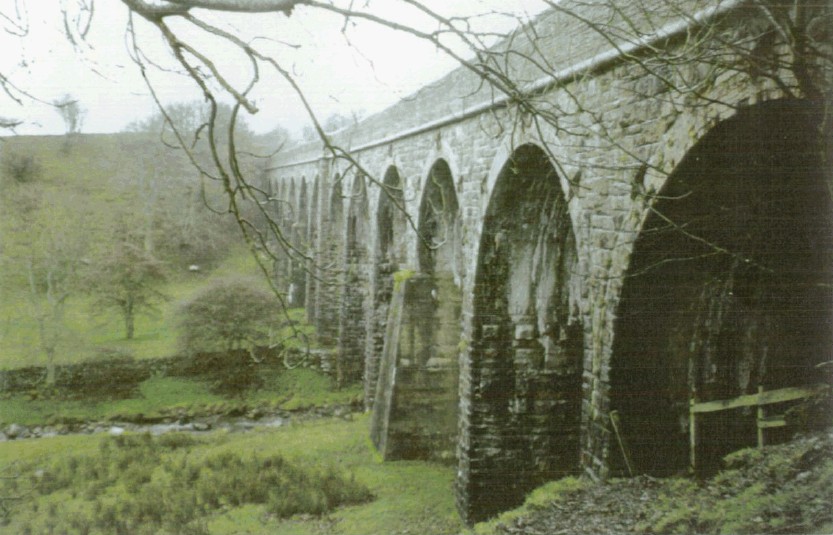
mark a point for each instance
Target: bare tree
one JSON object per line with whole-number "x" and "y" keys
{"x": 45, "y": 249}
{"x": 72, "y": 113}
{"x": 178, "y": 206}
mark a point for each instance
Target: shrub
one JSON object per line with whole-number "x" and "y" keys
{"x": 139, "y": 484}
{"x": 21, "y": 168}
{"x": 230, "y": 314}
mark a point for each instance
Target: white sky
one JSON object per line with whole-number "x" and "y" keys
{"x": 336, "y": 77}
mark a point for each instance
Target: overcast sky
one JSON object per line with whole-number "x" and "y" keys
{"x": 373, "y": 70}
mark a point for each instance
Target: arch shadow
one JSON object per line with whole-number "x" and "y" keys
{"x": 728, "y": 289}
{"x": 522, "y": 424}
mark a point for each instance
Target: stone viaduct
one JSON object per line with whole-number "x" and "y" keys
{"x": 638, "y": 225}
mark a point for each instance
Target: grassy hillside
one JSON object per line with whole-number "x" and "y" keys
{"x": 100, "y": 184}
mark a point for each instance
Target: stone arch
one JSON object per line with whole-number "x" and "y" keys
{"x": 564, "y": 166}
{"x": 389, "y": 255}
{"x": 275, "y": 208}
{"x": 273, "y": 195}
{"x": 288, "y": 216}
{"x": 292, "y": 210}
{"x": 415, "y": 409}
{"x": 442, "y": 152}
{"x": 289, "y": 198}
{"x": 728, "y": 287}
{"x": 391, "y": 221}
{"x": 311, "y": 238}
{"x": 445, "y": 153}
{"x": 299, "y": 225}
{"x": 280, "y": 189}
{"x": 440, "y": 261}
{"x": 521, "y": 393}
{"x": 439, "y": 225}
{"x": 332, "y": 252}
{"x": 352, "y": 329}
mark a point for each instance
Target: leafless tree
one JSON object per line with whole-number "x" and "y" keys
{"x": 44, "y": 248}
{"x": 72, "y": 114}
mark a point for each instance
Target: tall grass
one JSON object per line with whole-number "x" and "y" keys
{"x": 139, "y": 484}
{"x": 229, "y": 483}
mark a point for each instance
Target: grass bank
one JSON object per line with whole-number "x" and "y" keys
{"x": 160, "y": 397}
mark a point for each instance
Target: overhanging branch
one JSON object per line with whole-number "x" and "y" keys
{"x": 156, "y": 11}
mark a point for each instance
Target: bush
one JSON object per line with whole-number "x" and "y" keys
{"x": 230, "y": 314}
{"x": 21, "y": 168}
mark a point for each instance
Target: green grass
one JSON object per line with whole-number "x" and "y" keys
{"x": 156, "y": 395}
{"x": 412, "y": 497}
{"x": 28, "y": 451}
{"x": 301, "y": 388}
{"x": 145, "y": 485}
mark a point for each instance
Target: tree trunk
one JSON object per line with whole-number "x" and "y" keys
{"x": 46, "y": 346}
{"x": 339, "y": 371}
{"x": 50, "y": 366}
{"x": 128, "y": 321}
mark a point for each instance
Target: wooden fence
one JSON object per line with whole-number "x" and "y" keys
{"x": 759, "y": 400}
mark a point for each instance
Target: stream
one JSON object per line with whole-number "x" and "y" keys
{"x": 234, "y": 424}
